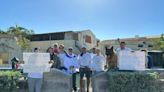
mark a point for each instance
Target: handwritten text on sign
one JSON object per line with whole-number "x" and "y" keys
{"x": 36, "y": 62}
{"x": 131, "y": 60}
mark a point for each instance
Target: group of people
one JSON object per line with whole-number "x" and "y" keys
{"x": 86, "y": 63}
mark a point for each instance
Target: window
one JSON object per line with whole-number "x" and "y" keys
{"x": 75, "y": 36}
{"x": 140, "y": 45}
{"x": 88, "y": 39}
{"x": 42, "y": 37}
{"x": 57, "y": 36}
{"x": 46, "y": 37}
{"x": 150, "y": 45}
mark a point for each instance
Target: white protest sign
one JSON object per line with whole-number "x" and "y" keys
{"x": 36, "y": 62}
{"x": 131, "y": 60}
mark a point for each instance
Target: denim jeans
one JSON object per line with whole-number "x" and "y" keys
{"x": 35, "y": 84}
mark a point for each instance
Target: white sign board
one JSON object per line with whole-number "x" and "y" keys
{"x": 36, "y": 62}
{"x": 131, "y": 60}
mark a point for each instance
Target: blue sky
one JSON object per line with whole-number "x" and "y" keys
{"x": 108, "y": 19}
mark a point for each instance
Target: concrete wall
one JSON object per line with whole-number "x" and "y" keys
{"x": 57, "y": 81}
{"x": 68, "y": 36}
{"x": 100, "y": 82}
{"x": 8, "y": 45}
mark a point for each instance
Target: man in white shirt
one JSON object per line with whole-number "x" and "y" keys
{"x": 98, "y": 62}
{"x": 123, "y": 48}
{"x": 85, "y": 67}
{"x": 71, "y": 64}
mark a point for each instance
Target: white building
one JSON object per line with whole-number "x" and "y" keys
{"x": 73, "y": 39}
{"x": 136, "y": 43}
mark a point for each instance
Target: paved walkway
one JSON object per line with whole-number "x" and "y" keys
{"x": 78, "y": 84}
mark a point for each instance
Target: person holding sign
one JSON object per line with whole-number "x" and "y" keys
{"x": 35, "y": 79}
{"x": 35, "y": 69}
{"x": 123, "y": 47}
{"x": 71, "y": 64}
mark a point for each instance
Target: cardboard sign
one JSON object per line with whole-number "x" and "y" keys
{"x": 131, "y": 60}
{"x": 36, "y": 62}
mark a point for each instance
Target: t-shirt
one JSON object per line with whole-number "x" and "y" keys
{"x": 85, "y": 60}
{"x": 126, "y": 49}
{"x": 98, "y": 63}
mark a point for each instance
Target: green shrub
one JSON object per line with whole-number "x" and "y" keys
{"x": 133, "y": 82}
{"x": 8, "y": 80}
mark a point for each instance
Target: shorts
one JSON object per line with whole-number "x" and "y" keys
{"x": 85, "y": 71}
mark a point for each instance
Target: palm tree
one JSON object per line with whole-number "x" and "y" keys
{"x": 17, "y": 30}
{"x": 23, "y": 35}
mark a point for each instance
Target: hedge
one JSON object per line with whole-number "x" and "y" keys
{"x": 133, "y": 82}
{"x": 9, "y": 81}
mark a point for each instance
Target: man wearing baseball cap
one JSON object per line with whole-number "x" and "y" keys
{"x": 85, "y": 67}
